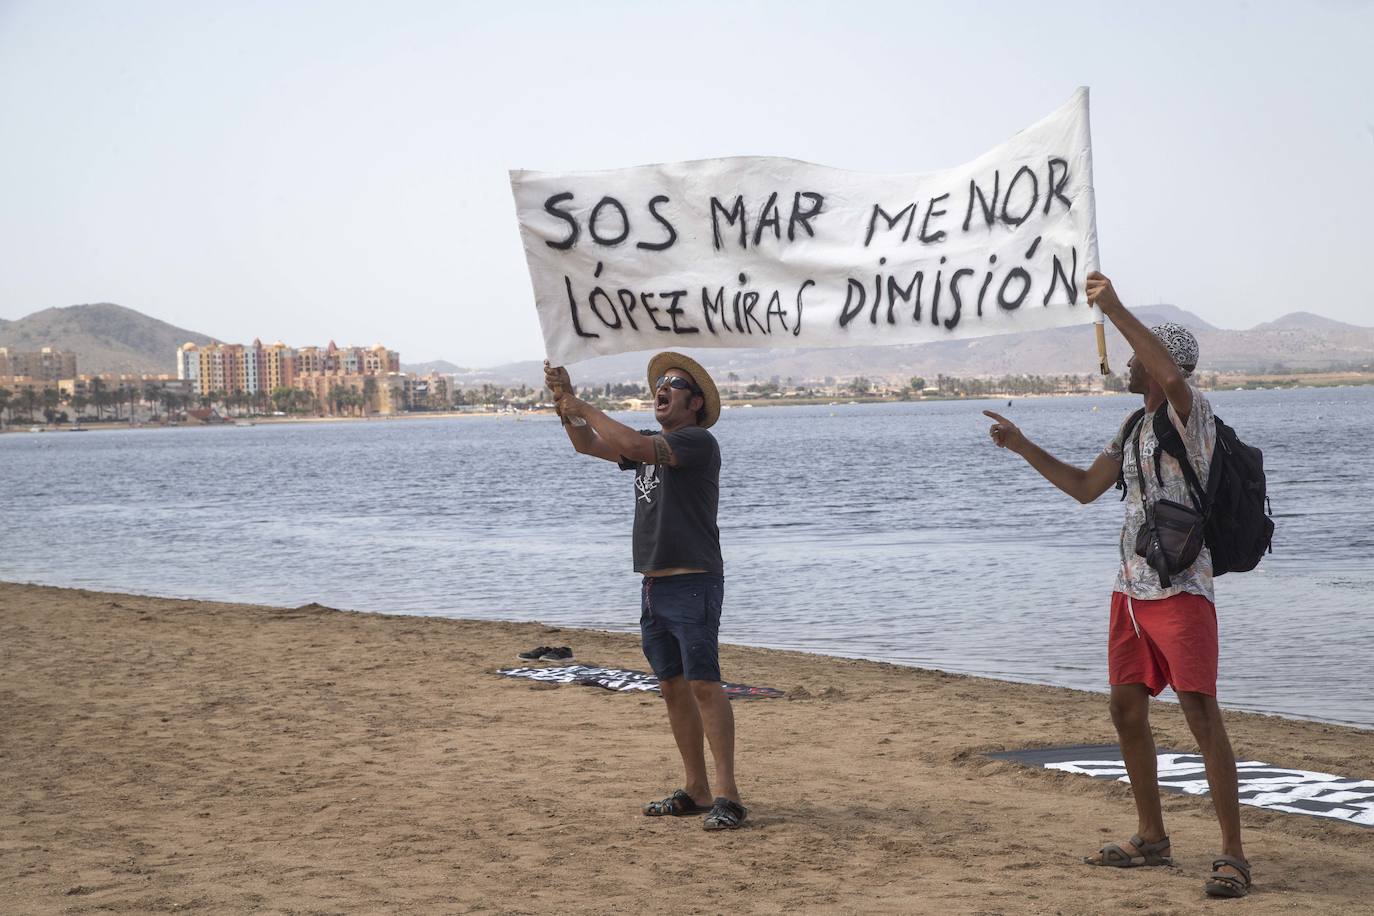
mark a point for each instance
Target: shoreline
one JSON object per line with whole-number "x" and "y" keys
{"x": 1239, "y": 382}
{"x": 632, "y": 631}
{"x": 165, "y": 754}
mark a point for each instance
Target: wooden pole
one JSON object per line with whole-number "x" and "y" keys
{"x": 1098, "y": 319}
{"x": 575, "y": 421}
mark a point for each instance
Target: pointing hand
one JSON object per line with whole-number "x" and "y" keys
{"x": 1004, "y": 433}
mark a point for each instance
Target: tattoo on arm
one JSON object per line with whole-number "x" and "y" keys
{"x": 662, "y": 453}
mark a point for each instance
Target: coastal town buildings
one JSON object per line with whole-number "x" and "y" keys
{"x": 336, "y": 379}
{"x": 47, "y": 364}
{"x": 221, "y": 379}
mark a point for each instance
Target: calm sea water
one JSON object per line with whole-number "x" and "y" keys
{"x": 891, "y": 531}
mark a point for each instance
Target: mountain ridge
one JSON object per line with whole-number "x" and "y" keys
{"x": 105, "y": 337}
{"x": 114, "y": 338}
{"x": 1299, "y": 344}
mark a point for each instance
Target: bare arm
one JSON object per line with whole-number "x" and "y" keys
{"x": 618, "y": 438}
{"x": 1146, "y": 345}
{"x": 582, "y": 436}
{"x": 588, "y": 442}
{"x": 601, "y": 437}
{"x": 1083, "y": 485}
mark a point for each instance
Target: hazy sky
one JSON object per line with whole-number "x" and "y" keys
{"x": 308, "y": 171}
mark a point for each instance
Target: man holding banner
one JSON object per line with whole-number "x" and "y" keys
{"x": 769, "y": 252}
{"x": 1163, "y": 628}
{"x": 677, "y": 549}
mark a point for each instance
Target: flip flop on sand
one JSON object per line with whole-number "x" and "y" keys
{"x": 1114, "y": 856}
{"x": 1225, "y": 884}
{"x": 679, "y": 804}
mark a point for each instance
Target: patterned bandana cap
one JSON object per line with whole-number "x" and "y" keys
{"x": 1180, "y": 343}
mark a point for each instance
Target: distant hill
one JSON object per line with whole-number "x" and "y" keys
{"x": 1300, "y": 341}
{"x": 1306, "y": 321}
{"x": 112, "y": 338}
{"x": 105, "y": 337}
{"x": 442, "y": 366}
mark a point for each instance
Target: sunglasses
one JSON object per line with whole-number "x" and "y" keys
{"x": 676, "y": 381}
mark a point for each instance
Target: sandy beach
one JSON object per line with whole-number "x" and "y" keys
{"x": 167, "y": 755}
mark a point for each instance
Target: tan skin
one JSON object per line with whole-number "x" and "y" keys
{"x": 1155, "y": 376}
{"x": 697, "y": 710}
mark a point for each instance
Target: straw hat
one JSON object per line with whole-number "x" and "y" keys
{"x": 670, "y": 360}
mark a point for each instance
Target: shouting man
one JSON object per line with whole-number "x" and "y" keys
{"x": 677, "y": 549}
{"x": 1159, "y": 634}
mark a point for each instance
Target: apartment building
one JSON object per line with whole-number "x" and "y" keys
{"x": 235, "y": 368}
{"x": 48, "y": 364}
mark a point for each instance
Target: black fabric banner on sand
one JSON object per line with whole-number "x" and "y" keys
{"x": 622, "y": 679}
{"x": 1262, "y": 785}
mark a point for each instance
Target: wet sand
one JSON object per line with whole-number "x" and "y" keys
{"x": 167, "y": 755}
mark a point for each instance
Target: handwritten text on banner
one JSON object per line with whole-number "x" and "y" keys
{"x": 763, "y": 252}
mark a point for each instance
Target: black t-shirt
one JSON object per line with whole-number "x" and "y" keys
{"x": 675, "y": 506}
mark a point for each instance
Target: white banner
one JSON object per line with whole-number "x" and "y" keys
{"x": 763, "y": 252}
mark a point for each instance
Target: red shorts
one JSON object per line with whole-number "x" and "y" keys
{"x": 1172, "y": 641}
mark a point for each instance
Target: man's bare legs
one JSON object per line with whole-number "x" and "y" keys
{"x": 699, "y": 710}
{"x": 719, "y": 721}
{"x": 685, "y": 719}
{"x": 1204, "y": 718}
{"x": 1130, "y": 706}
{"x": 1130, "y": 715}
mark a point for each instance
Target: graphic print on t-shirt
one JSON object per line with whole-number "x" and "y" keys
{"x": 646, "y": 482}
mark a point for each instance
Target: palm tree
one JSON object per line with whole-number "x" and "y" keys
{"x": 97, "y": 397}
{"x": 30, "y": 399}
{"x": 51, "y": 398}
{"x": 5, "y": 395}
{"x": 281, "y": 398}
{"x": 304, "y": 401}
{"x": 169, "y": 399}
{"x": 370, "y": 393}
{"x": 152, "y": 394}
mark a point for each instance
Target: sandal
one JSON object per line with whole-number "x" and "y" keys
{"x": 679, "y": 804}
{"x": 725, "y": 815}
{"x": 1222, "y": 884}
{"x": 1113, "y": 856}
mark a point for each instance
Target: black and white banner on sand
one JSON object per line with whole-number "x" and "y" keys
{"x": 1262, "y": 785}
{"x": 767, "y": 252}
{"x": 622, "y": 679}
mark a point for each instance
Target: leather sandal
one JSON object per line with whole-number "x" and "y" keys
{"x": 679, "y": 804}
{"x": 725, "y": 815}
{"x": 1224, "y": 884}
{"x": 1114, "y": 856}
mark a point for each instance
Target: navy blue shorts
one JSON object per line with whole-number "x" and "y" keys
{"x": 679, "y": 625}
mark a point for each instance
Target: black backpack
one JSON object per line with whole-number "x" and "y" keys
{"x": 1237, "y": 527}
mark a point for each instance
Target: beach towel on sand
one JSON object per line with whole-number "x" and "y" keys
{"x": 1262, "y": 785}
{"x": 622, "y": 679}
